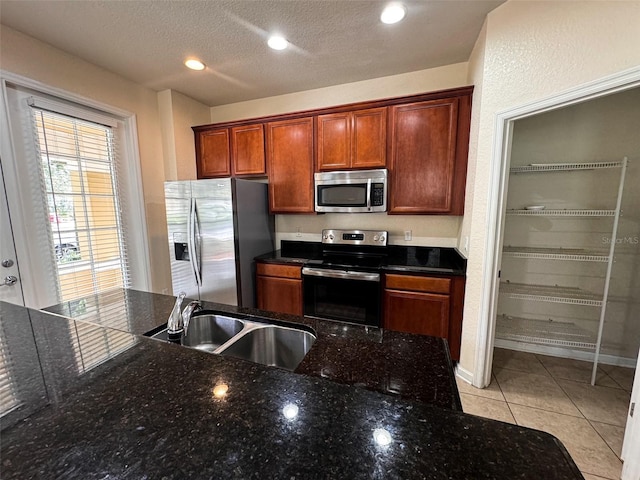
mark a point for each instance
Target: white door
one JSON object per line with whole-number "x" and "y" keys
{"x": 10, "y": 285}
{"x": 631, "y": 445}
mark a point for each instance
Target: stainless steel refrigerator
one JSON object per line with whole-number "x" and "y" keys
{"x": 216, "y": 228}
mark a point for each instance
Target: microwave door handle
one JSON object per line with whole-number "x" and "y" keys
{"x": 368, "y": 194}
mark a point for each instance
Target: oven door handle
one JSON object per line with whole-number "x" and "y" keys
{"x": 343, "y": 274}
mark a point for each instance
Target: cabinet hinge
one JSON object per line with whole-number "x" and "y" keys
{"x": 633, "y": 407}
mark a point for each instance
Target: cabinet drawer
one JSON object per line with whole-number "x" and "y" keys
{"x": 419, "y": 284}
{"x": 275, "y": 270}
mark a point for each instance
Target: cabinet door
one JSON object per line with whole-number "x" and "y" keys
{"x": 352, "y": 139}
{"x": 213, "y": 158}
{"x": 414, "y": 312}
{"x": 283, "y": 295}
{"x": 247, "y": 148}
{"x": 334, "y": 141}
{"x": 290, "y": 164}
{"x": 369, "y": 144}
{"x": 423, "y": 157}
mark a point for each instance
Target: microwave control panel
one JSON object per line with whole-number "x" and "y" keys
{"x": 377, "y": 194}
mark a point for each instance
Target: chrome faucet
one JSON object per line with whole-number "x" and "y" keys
{"x": 174, "y": 323}
{"x": 177, "y": 324}
{"x": 188, "y": 312}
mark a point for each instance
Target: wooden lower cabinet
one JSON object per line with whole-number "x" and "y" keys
{"x": 279, "y": 288}
{"x": 426, "y": 306}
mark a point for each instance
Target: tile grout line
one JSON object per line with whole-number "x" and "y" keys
{"x": 583, "y": 416}
{"x": 505, "y": 399}
{"x": 578, "y": 408}
{"x": 603, "y": 439}
{"x": 564, "y": 391}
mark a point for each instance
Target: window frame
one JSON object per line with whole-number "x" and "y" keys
{"x": 35, "y": 295}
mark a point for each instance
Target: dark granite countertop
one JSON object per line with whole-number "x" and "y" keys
{"x": 405, "y": 259}
{"x": 415, "y": 367}
{"x": 94, "y": 402}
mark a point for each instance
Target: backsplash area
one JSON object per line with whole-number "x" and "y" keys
{"x": 433, "y": 231}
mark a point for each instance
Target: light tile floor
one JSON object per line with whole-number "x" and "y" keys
{"x": 555, "y": 395}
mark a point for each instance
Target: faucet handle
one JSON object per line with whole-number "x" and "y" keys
{"x": 188, "y": 312}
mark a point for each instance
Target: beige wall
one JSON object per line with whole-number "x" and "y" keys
{"x": 38, "y": 61}
{"x": 426, "y": 230}
{"x": 411, "y": 83}
{"x": 178, "y": 113}
{"x": 528, "y": 51}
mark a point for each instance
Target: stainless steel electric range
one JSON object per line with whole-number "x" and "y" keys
{"x": 344, "y": 282}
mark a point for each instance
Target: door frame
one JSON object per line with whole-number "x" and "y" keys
{"x": 8, "y": 251}
{"x": 499, "y": 174}
{"x": 34, "y": 295}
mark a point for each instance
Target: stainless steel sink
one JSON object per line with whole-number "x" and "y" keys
{"x": 263, "y": 343}
{"x": 208, "y": 332}
{"x": 271, "y": 345}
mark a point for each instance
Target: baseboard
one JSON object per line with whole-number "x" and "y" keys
{"x": 465, "y": 375}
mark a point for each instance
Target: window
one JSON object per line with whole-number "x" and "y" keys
{"x": 80, "y": 187}
{"x": 74, "y": 190}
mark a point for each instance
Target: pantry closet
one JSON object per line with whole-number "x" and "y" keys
{"x": 569, "y": 276}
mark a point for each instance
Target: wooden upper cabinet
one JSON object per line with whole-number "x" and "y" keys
{"x": 247, "y": 150}
{"x": 334, "y": 141}
{"x": 213, "y": 154}
{"x": 369, "y": 147}
{"x": 429, "y": 156}
{"x": 290, "y": 165}
{"x": 352, "y": 139}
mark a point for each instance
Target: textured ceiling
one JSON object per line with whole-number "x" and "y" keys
{"x": 333, "y": 41}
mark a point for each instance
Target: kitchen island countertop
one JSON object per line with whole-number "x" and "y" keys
{"x": 416, "y": 367}
{"x": 94, "y": 402}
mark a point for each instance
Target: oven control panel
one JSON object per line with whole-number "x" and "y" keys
{"x": 355, "y": 237}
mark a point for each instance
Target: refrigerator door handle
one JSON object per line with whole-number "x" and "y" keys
{"x": 197, "y": 242}
{"x": 191, "y": 239}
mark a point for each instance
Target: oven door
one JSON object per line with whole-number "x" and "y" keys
{"x": 348, "y": 296}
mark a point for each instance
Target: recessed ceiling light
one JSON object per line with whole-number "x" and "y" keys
{"x": 277, "y": 42}
{"x": 194, "y": 64}
{"x": 393, "y": 13}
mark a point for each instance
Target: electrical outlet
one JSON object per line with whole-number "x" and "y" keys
{"x": 408, "y": 235}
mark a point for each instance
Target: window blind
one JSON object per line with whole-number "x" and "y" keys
{"x": 79, "y": 170}
{"x": 78, "y": 161}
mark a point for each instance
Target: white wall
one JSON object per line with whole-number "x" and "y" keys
{"x": 529, "y": 51}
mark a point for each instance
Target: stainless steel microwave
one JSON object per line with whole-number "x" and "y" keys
{"x": 355, "y": 191}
